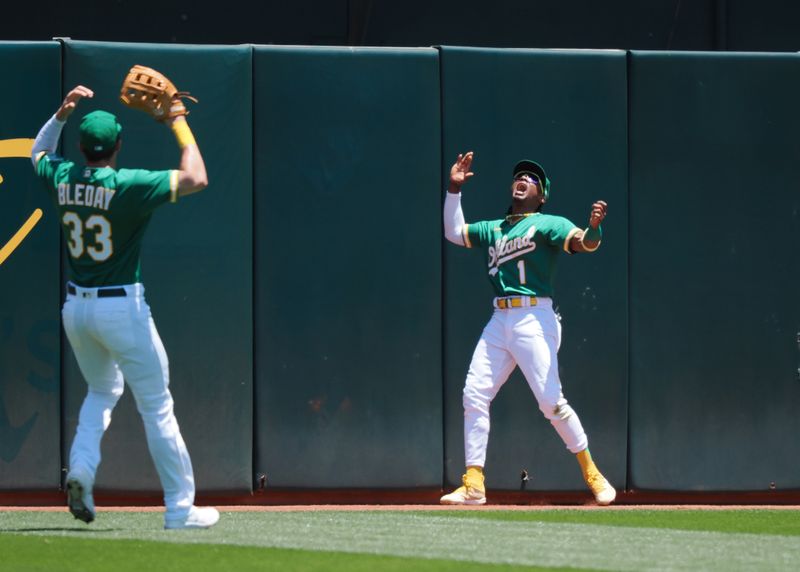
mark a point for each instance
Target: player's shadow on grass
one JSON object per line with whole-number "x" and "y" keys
{"x": 60, "y": 529}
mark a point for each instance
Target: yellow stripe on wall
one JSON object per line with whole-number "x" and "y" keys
{"x": 16, "y": 148}
{"x": 20, "y": 235}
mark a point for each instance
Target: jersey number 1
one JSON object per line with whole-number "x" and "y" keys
{"x": 521, "y": 267}
{"x": 103, "y": 247}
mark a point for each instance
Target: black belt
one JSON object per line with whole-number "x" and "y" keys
{"x": 101, "y": 292}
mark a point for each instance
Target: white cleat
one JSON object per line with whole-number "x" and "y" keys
{"x": 465, "y": 496}
{"x": 79, "y": 497}
{"x": 604, "y": 493}
{"x": 205, "y": 517}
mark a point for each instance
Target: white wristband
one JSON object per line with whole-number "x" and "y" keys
{"x": 453, "y": 219}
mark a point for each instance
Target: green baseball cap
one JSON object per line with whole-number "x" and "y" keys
{"x": 99, "y": 131}
{"x": 528, "y": 167}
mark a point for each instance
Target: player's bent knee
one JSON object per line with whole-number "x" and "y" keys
{"x": 557, "y": 411}
{"x": 109, "y": 394}
{"x": 480, "y": 423}
{"x": 474, "y": 401}
{"x": 159, "y": 405}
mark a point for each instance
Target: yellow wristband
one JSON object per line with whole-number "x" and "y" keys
{"x": 183, "y": 134}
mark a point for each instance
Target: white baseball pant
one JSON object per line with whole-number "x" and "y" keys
{"x": 115, "y": 341}
{"x": 528, "y": 337}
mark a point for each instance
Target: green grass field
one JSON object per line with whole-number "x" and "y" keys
{"x": 564, "y": 539}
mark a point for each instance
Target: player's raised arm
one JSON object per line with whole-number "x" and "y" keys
{"x": 589, "y": 240}
{"x": 148, "y": 90}
{"x": 47, "y": 139}
{"x": 453, "y": 215}
{"x": 192, "y": 176}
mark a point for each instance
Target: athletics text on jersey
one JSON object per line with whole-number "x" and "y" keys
{"x": 104, "y": 213}
{"x": 521, "y": 257}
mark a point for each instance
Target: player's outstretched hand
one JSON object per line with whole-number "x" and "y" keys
{"x": 459, "y": 172}
{"x": 598, "y": 213}
{"x": 71, "y": 101}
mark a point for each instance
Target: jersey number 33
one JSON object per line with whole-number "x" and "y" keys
{"x": 97, "y": 225}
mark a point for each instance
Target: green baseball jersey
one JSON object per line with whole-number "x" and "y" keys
{"x": 104, "y": 213}
{"x": 521, "y": 257}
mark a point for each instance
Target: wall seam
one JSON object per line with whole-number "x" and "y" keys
{"x": 628, "y": 65}
{"x": 62, "y": 445}
{"x": 254, "y": 469}
{"x": 442, "y": 275}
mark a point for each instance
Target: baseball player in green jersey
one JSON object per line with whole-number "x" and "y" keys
{"x": 521, "y": 250}
{"x": 104, "y": 212}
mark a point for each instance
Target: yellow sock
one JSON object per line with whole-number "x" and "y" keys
{"x": 587, "y": 464}
{"x": 475, "y": 471}
{"x": 474, "y": 477}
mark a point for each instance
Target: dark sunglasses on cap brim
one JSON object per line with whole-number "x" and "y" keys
{"x": 533, "y": 176}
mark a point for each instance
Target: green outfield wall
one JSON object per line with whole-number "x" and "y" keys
{"x": 348, "y": 267}
{"x": 319, "y": 327}
{"x": 714, "y": 271}
{"x": 30, "y": 285}
{"x": 196, "y": 264}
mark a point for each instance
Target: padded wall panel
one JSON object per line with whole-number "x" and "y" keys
{"x": 714, "y": 271}
{"x": 347, "y": 259}
{"x": 566, "y": 110}
{"x": 30, "y": 389}
{"x": 196, "y": 260}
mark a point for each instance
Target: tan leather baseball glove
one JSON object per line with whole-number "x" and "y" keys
{"x": 150, "y": 91}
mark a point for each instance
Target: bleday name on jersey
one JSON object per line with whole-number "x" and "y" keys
{"x": 85, "y": 195}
